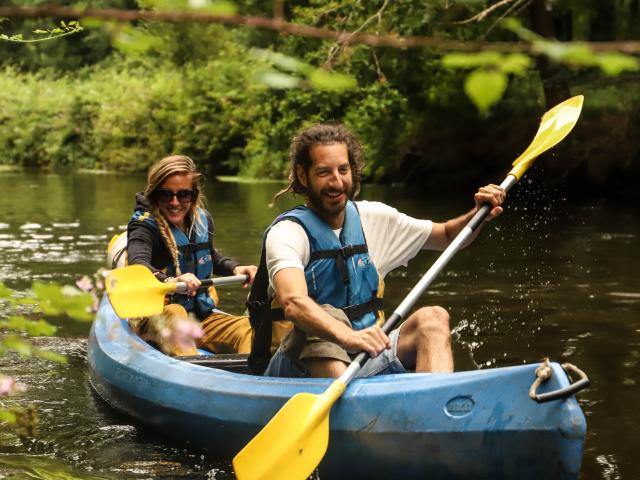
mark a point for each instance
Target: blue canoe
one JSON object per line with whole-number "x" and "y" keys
{"x": 476, "y": 424}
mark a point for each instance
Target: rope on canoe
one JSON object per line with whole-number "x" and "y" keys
{"x": 543, "y": 373}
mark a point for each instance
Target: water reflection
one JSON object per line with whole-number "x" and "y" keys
{"x": 548, "y": 279}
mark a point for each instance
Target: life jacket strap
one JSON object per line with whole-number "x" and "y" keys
{"x": 340, "y": 255}
{"x": 356, "y": 311}
{"x": 192, "y": 248}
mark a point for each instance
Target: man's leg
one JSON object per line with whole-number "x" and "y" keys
{"x": 324, "y": 367}
{"x": 424, "y": 344}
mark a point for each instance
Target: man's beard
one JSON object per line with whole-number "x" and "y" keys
{"x": 325, "y": 210}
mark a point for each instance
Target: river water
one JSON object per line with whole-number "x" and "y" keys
{"x": 551, "y": 277}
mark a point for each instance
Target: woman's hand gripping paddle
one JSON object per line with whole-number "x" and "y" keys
{"x": 135, "y": 292}
{"x": 293, "y": 443}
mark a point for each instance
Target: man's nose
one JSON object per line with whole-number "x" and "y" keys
{"x": 336, "y": 179}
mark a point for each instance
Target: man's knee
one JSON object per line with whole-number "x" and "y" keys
{"x": 432, "y": 320}
{"x": 324, "y": 367}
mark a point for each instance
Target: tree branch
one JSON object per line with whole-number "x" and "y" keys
{"x": 342, "y": 44}
{"x": 392, "y": 41}
{"x": 483, "y": 14}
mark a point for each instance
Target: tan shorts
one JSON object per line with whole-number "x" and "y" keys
{"x": 298, "y": 346}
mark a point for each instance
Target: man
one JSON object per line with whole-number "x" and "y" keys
{"x": 326, "y": 261}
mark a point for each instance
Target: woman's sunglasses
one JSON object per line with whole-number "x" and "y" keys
{"x": 165, "y": 196}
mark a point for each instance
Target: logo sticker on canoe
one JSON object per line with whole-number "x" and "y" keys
{"x": 459, "y": 407}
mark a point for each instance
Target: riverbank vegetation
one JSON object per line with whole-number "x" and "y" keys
{"x": 119, "y": 95}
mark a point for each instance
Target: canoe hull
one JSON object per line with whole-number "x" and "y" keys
{"x": 478, "y": 424}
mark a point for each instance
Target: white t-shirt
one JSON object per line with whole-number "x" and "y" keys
{"x": 393, "y": 239}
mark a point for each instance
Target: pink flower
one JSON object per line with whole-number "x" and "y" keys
{"x": 85, "y": 284}
{"x": 8, "y": 386}
{"x": 185, "y": 331}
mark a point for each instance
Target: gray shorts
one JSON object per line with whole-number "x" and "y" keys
{"x": 384, "y": 364}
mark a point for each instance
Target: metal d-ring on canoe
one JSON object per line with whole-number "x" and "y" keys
{"x": 544, "y": 372}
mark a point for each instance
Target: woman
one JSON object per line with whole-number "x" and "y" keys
{"x": 171, "y": 233}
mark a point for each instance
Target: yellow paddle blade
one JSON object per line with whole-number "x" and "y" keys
{"x": 294, "y": 441}
{"x": 554, "y": 126}
{"x": 135, "y": 292}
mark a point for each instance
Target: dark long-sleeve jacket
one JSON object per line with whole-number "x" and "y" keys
{"x": 145, "y": 246}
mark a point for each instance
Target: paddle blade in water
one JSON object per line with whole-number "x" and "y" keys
{"x": 293, "y": 443}
{"x": 554, "y": 127}
{"x": 134, "y": 292}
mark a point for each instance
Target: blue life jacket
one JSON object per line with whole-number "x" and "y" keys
{"x": 194, "y": 256}
{"x": 340, "y": 271}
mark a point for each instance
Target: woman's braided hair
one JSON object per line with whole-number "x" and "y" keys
{"x": 322, "y": 134}
{"x": 158, "y": 173}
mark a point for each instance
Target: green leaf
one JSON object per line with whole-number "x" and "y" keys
{"x": 277, "y": 80}
{"x": 51, "y": 356}
{"x": 213, "y": 7}
{"x": 49, "y": 297}
{"x": 7, "y": 416}
{"x": 515, "y": 26}
{"x": 41, "y": 31}
{"x": 135, "y": 41}
{"x": 92, "y": 22}
{"x": 615, "y": 63}
{"x": 4, "y": 291}
{"x": 321, "y": 79}
{"x": 485, "y": 88}
{"x": 33, "y": 328}
{"x": 576, "y": 54}
{"x": 516, "y": 63}
{"x": 19, "y": 345}
{"x": 284, "y": 62}
{"x": 55, "y": 300}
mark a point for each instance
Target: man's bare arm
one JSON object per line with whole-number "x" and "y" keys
{"x": 291, "y": 289}
{"x": 442, "y": 234}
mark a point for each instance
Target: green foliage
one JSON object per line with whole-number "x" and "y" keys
{"x": 54, "y": 300}
{"x": 575, "y": 54}
{"x": 62, "y": 30}
{"x": 47, "y": 299}
{"x": 118, "y": 96}
{"x": 486, "y": 84}
{"x": 316, "y": 78}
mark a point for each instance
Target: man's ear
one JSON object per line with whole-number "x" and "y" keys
{"x": 302, "y": 175}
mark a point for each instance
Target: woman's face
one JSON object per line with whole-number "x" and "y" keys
{"x": 176, "y": 209}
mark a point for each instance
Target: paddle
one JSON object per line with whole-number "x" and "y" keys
{"x": 293, "y": 443}
{"x": 135, "y": 292}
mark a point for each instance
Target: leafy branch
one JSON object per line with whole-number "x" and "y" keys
{"x": 62, "y": 30}
{"x": 276, "y": 24}
{"x": 46, "y": 299}
{"x": 486, "y": 83}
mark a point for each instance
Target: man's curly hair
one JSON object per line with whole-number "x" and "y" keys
{"x": 322, "y": 134}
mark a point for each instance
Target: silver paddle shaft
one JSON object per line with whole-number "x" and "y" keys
{"x": 181, "y": 287}
{"x": 416, "y": 292}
